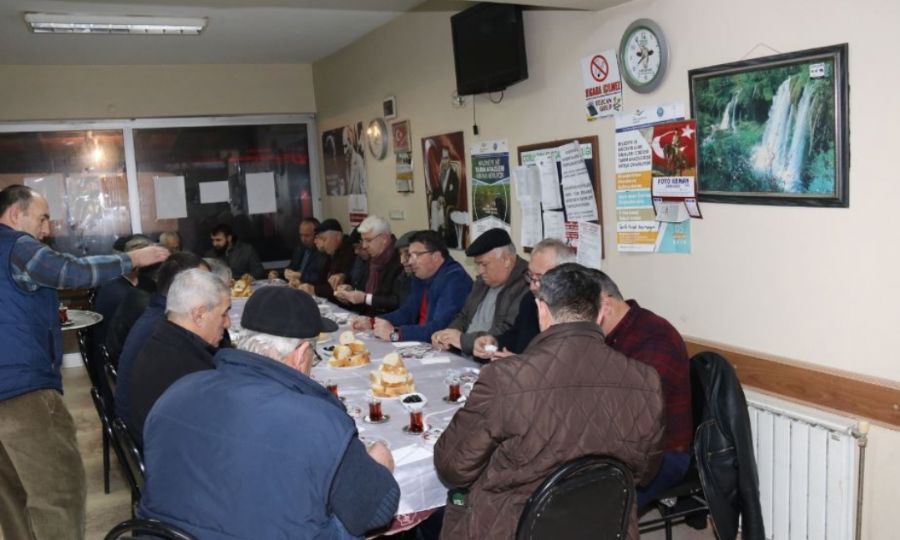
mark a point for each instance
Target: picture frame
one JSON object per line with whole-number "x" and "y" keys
{"x": 400, "y": 134}
{"x": 774, "y": 130}
{"x": 389, "y": 108}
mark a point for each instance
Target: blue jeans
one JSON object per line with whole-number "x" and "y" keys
{"x": 672, "y": 470}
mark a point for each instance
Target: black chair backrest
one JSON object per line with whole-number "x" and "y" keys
{"x": 134, "y": 462}
{"x": 147, "y": 528}
{"x": 590, "y": 497}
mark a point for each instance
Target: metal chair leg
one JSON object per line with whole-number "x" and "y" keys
{"x": 105, "y": 462}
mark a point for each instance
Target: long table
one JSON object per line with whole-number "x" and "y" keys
{"x": 420, "y": 488}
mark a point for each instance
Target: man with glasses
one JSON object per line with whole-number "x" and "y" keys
{"x": 228, "y": 451}
{"x": 546, "y": 255}
{"x": 380, "y": 291}
{"x": 439, "y": 288}
{"x": 493, "y": 304}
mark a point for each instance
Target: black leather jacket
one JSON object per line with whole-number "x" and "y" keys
{"x": 724, "y": 449}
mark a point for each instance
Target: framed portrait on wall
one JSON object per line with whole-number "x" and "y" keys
{"x": 774, "y": 130}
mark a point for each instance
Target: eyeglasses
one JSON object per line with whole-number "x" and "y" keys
{"x": 415, "y": 254}
{"x": 533, "y": 279}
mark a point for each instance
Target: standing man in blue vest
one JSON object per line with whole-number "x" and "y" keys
{"x": 42, "y": 487}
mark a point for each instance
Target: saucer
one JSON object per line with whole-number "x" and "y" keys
{"x": 408, "y": 432}
{"x": 460, "y": 401}
{"x": 384, "y": 418}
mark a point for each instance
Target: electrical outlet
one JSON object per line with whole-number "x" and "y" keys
{"x": 396, "y": 214}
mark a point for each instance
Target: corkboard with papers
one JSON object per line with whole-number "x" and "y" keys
{"x": 541, "y": 154}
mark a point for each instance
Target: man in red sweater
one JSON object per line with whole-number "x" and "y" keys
{"x": 640, "y": 334}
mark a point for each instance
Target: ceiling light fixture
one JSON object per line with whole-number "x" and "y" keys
{"x": 60, "y": 23}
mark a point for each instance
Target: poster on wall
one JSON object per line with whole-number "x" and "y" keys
{"x": 602, "y": 84}
{"x": 446, "y": 195}
{"x": 656, "y": 168}
{"x": 404, "y": 172}
{"x": 490, "y": 187}
{"x": 344, "y": 160}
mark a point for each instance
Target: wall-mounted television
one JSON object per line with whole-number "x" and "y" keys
{"x": 488, "y": 48}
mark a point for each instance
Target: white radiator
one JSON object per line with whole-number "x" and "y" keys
{"x": 808, "y": 463}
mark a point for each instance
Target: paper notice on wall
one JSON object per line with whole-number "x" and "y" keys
{"x": 671, "y": 211}
{"x": 214, "y": 192}
{"x": 578, "y": 193}
{"x": 532, "y": 230}
{"x": 549, "y": 183}
{"x": 590, "y": 244}
{"x": 674, "y": 186}
{"x": 602, "y": 84}
{"x": 171, "y": 202}
{"x": 261, "y": 193}
{"x": 358, "y": 206}
{"x": 554, "y": 225}
{"x": 528, "y": 184}
{"x": 655, "y": 175}
{"x": 51, "y": 187}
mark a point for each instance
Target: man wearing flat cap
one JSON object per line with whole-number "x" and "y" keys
{"x": 337, "y": 247}
{"x": 493, "y": 304}
{"x": 229, "y": 452}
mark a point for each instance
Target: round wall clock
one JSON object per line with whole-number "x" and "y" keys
{"x": 643, "y": 55}
{"x": 377, "y": 138}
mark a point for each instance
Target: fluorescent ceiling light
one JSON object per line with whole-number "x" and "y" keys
{"x": 58, "y": 23}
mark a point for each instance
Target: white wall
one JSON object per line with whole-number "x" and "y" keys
{"x": 89, "y": 92}
{"x": 803, "y": 283}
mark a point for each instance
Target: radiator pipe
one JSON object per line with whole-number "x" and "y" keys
{"x": 861, "y": 433}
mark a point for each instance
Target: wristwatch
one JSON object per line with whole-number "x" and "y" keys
{"x": 395, "y": 336}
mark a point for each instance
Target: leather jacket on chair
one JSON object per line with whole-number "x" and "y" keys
{"x": 723, "y": 449}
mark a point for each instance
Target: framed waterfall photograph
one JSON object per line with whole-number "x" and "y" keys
{"x": 774, "y": 130}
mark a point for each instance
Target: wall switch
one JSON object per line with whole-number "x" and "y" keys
{"x": 396, "y": 214}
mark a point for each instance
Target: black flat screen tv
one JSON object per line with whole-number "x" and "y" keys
{"x": 488, "y": 48}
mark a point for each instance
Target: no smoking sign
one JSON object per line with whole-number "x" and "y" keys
{"x": 599, "y": 68}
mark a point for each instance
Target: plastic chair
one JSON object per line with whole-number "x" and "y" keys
{"x": 147, "y": 528}
{"x": 590, "y": 497}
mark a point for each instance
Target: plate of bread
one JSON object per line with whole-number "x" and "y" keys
{"x": 241, "y": 287}
{"x": 350, "y": 353}
{"x": 392, "y": 379}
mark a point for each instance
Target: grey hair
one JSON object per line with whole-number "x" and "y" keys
{"x": 607, "y": 285}
{"x": 194, "y": 288}
{"x": 375, "y": 225}
{"x": 562, "y": 253}
{"x": 571, "y": 292}
{"x": 219, "y": 269}
{"x": 274, "y": 347}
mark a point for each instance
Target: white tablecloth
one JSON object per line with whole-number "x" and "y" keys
{"x": 420, "y": 487}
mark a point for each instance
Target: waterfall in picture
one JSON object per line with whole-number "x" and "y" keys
{"x": 782, "y": 152}
{"x": 729, "y": 114}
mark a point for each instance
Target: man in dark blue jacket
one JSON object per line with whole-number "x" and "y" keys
{"x": 437, "y": 294}
{"x": 42, "y": 489}
{"x": 256, "y": 448}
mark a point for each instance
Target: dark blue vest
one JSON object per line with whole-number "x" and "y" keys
{"x": 30, "y": 336}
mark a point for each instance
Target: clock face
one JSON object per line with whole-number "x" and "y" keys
{"x": 643, "y": 55}
{"x": 376, "y": 135}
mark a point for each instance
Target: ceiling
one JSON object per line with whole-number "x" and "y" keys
{"x": 239, "y": 31}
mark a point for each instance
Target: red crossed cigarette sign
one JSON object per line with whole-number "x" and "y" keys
{"x": 599, "y": 68}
